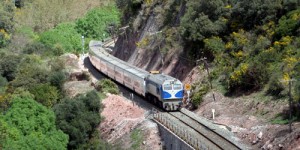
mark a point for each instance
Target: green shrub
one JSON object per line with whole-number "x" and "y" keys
{"x": 197, "y": 96}
{"x": 288, "y": 24}
{"x": 37, "y": 48}
{"x": 45, "y": 94}
{"x": 63, "y": 37}
{"x": 276, "y": 87}
{"x": 106, "y": 85}
{"x": 6, "y": 22}
{"x": 3, "y": 83}
{"x": 248, "y": 77}
{"x": 32, "y": 71}
{"x": 95, "y": 24}
{"x": 57, "y": 79}
{"x": 8, "y": 65}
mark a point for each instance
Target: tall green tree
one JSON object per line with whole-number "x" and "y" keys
{"x": 207, "y": 19}
{"x": 78, "y": 118}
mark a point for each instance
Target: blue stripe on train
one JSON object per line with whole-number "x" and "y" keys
{"x": 179, "y": 94}
{"x": 166, "y": 95}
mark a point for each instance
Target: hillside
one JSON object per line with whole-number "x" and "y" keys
{"x": 249, "y": 49}
{"x": 46, "y": 101}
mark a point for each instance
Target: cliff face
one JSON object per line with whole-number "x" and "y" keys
{"x": 143, "y": 42}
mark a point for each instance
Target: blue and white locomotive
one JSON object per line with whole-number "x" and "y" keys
{"x": 163, "y": 90}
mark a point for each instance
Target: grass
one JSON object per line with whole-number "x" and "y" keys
{"x": 279, "y": 119}
{"x": 137, "y": 139}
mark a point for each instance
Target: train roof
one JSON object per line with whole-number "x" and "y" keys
{"x": 160, "y": 78}
{"x": 98, "y": 51}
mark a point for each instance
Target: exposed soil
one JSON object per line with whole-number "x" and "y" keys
{"x": 248, "y": 117}
{"x": 121, "y": 117}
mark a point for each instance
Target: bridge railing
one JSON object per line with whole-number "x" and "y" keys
{"x": 179, "y": 131}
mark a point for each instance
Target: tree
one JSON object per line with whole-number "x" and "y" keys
{"x": 29, "y": 125}
{"x": 31, "y": 72}
{"x": 207, "y": 16}
{"x": 8, "y": 65}
{"x": 247, "y": 14}
{"x": 6, "y": 22}
{"x": 95, "y": 23}
{"x": 78, "y": 117}
{"x": 64, "y": 35}
{"x": 45, "y": 94}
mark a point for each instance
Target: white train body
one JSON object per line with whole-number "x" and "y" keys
{"x": 163, "y": 90}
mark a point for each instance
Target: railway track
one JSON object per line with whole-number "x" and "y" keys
{"x": 197, "y": 132}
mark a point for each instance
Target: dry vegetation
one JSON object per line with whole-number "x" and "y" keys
{"x": 42, "y": 15}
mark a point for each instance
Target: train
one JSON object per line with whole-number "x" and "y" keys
{"x": 163, "y": 90}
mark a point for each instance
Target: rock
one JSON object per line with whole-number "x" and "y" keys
{"x": 254, "y": 142}
{"x": 259, "y": 136}
{"x": 270, "y": 146}
{"x": 280, "y": 146}
{"x": 144, "y": 142}
{"x": 266, "y": 145}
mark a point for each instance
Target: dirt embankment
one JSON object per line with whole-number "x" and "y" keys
{"x": 248, "y": 117}
{"x": 121, "y": 118}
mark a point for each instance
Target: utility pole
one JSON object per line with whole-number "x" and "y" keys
{"x": 290, "y": 102}
{"x": 82, "y": 37}
{"x": 208, "y": 74}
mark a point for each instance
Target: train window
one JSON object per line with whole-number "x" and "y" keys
{"x": 167, "y": 87}
{"x": 177, "y": 86}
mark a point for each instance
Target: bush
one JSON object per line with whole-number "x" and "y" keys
{"x": 6, "y": 22}
{"x": 96, "y": 22}
{"x": 197, "y": 96}
{"x": 32, "y": 70}
{"x": 288, "y": 24}
{"x": 106, "y": 85}
{"x": 248, "y": 77}
{"x": 57, "y": 79}
{"x": 45, "y": 94}
{"x": 37, "y": 48}
{"x": 63, "y": 37}
{"x": 276, "y": 87}
{"x": 3, "y": 83}
{"x": 8, "y": 65}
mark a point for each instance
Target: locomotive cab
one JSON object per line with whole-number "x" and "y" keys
{"x": 172, "y": 94}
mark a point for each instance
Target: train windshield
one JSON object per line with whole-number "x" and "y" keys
{"x": 167, "y": 87}
{"x": 177, "y": 86}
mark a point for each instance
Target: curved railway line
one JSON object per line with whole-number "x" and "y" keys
{"x": 197, "y": 132}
